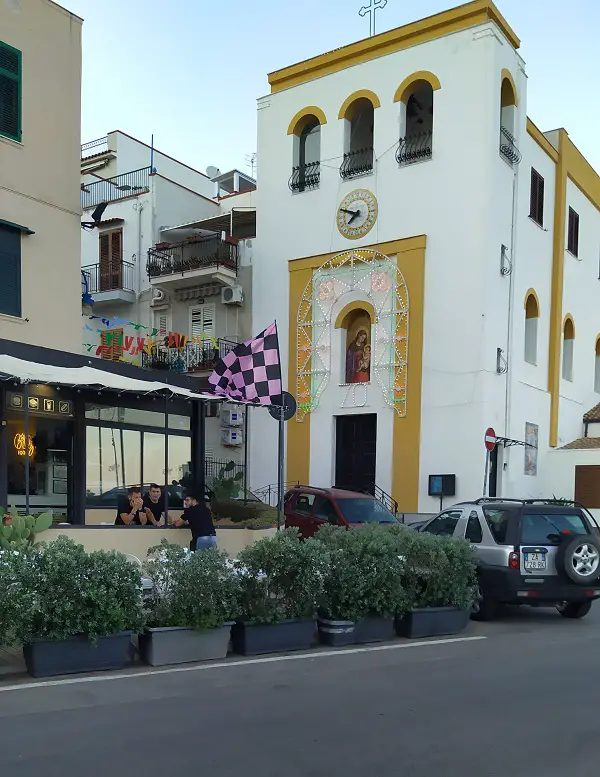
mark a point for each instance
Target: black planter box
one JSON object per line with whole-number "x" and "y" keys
{"x": 249, "y": 640}
{"x": 432, "y": 622}
{"x": 78, "y": 654}
{"x": 337, "y": 633}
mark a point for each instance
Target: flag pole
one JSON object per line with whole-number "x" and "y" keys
{"x": 280, "y": 460}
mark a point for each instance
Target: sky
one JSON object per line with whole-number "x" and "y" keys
{"x": 190, "y": 71}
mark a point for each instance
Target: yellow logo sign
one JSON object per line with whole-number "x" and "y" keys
{"x": 19, "y": 443}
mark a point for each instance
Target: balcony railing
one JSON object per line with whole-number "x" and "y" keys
{"x": 109, "y": 189}
{"x": 414, "y": 148}
{"x": 198, "y": 254}
{"x": 305, "y": 177}
{"x": 359, "y": 162}
{"x": 193, "y": 357}
{"x": 109, "y": 277}
{"x": 94, "y": 147}
{"x": 508, "y": 147}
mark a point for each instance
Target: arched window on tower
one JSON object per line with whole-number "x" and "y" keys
{"x": 597, "y": 367}
{"x": 416, "y": 123}
{"x": 357, "y": 363}
{"x": 306, "y": 170}
{"x": 508, "y": 111}
{"x": 532, "y": 314}
{"x": 359, "y": 129}
{"x": 568, "y": 345}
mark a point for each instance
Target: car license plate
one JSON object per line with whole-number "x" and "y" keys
{"x": 534, "y": 561}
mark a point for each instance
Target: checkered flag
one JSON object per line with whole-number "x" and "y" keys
{"x": 252, "y": 371}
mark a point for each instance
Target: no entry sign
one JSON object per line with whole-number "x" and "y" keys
{"x": 490, "y": 439}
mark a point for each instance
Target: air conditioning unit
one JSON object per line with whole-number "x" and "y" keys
{"x": 231, "y": 417}
{"x": 232, "y": 295}
{"x": 232, "y": 438}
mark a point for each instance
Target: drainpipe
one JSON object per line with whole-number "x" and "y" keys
{"x": 139, "y": 207}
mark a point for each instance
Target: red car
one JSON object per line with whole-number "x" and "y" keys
{"x": 310, "y": 508}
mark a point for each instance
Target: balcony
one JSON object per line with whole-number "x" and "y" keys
{"x": 508, "y": 147}
{"x": 414, "y": 148}
{"x": 196, "y": 260}
{"x": 116, "y": 188}
{"x": 356, "y": 163}
{"x": 305, "y": 177}
{"x": 110, "y": 283}
{"x": 194, "y": 357}
{"x": 94, "y": 147}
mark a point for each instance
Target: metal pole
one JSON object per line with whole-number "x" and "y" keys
{"x": 280, "y": 470}
{"x": 26, "y": 423}
{"x": 167, "y": 460}
{"x": 485, "y": 477}
{"x": 246, "y": 411}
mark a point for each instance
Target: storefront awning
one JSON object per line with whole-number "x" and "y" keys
{"x": 12, "y": 368}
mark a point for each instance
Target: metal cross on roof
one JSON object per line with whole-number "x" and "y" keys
{"x": 371, "y": 9}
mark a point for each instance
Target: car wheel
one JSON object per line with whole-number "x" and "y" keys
{"x": 579, "y": 559}
{"x": 574, "y": 609}
{"x": 484, "y": 608}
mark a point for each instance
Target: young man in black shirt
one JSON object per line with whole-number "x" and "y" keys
{"x": 130, "y": 508}
{"x": 154, "y": 505}
{"x": 198, "y": 517}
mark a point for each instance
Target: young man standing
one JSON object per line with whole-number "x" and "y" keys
{"x": 198, "y": 517}
{"x": 154, "y": 505}
{"x": 130, "y": 508}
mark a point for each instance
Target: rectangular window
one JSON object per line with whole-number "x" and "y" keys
{"x": 10, "y": 92}
{"x": 112, "y": 345}
{"x": 573, "y": 233}
{"x": 550, "y": 529}
{"x": 10, "y": 271}
{"x": 536, "y": 202}
{"x": 202, "y": 321}
{"x": 111, "y": 260}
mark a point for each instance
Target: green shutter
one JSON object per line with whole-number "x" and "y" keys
{"x": 10, "y": 272}
{"x": 10, "y": 92}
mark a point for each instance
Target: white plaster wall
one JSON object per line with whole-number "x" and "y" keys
{"x": 178, "y": 205}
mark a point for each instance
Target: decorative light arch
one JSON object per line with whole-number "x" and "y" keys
{"x": 508, "y": 89}
{"x": 404, "y": 90}
{"x": 302, "y": 118}
{"x": 366, "y": 94}
{"x": 383, "y": 288}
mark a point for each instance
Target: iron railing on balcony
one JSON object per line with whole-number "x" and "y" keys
{"x": 109, "y": 276}
{"x": 414, "y": 148}
{"x": 508, "y": 147}
{"x": 356, "y": 163}
{"x": 193, "y": 357}
{"x": 109, "y": 189}
{"x": 94, "y": 147}
{"x": 305, "y": 177}
{"x": 192, "y": 255}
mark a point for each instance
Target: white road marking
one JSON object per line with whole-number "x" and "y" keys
{"x": 25, "y": 686}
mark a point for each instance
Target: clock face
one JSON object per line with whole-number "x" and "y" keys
{"x": 357, "y": 214}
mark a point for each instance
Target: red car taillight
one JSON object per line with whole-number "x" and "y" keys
{"x": 514, "y": 561}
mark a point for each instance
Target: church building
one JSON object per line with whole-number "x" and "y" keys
{"x": 431, "y": 259}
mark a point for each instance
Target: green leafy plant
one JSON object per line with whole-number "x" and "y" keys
{"x": 73, "y": 593}
{"x": 281, "y": 578}
{"x": 17, "y": 595}
{"x": 253, "y": 514}
{"x": 195, "y": 591}
{"x": 364, "y": 576}
{"x": 18, "y": 532}
{"x": 227, "y": 485}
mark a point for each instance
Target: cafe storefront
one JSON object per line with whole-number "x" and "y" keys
{"x": 76, "y": 432}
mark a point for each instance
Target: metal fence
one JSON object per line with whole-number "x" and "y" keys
{"x": 508, "y": 147}
{"x": 356, "y": 163}
{"x": 305, "y": 177}
{"x": 192, "y": 255}
{"x": 94, "y": 147}
{"x": 192, "y": 357}
{"x": 214, "y": 467}
{"x": 108, "y": 277}
{"x": 110, "y": 189}
{"x": 414, "y": 148}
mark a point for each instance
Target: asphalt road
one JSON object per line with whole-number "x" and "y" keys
{"x": 521, "y": 702}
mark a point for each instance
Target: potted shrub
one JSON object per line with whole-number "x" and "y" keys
{"x": 440, "y": 575}
{"x": 18, "y": 532}
{"x": 83, "y": 608}
{"x": 192, "y": 608}
{"x": 281, "y": 583}
{"x": 363, "y": 588}
{"x": 17, "y": 595}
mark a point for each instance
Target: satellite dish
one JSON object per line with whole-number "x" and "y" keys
{"x": 213, "y": 172}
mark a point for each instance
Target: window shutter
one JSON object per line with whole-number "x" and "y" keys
{"x": 533, "y": 204}
{"x": 112, "y": 342}
{"x": 587, "y": 486}
{"x": 162, "y": 323}
{"x": 104, "y": 259}
{"x": 10, "y": 92}
{"x": 209, "y": 320}
{"x": 540, "y": 201}
{"x": 116, "y": 259}
{"x": 536, "y": 202}
{"x": 10, "y": 272}
{"x": 202, "y": 321}
{"x": 573, "y": 232}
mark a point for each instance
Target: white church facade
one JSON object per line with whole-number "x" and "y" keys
{"x": 431, "y": 258}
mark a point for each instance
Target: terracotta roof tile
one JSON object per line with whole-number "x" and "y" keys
{"x": 583, "y": 443}
{"x": 593, "y": 414}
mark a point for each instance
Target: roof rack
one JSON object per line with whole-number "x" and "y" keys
{"x": 543, "y": 501}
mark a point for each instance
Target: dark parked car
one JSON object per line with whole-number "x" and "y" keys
{"x": 310, "y": 508}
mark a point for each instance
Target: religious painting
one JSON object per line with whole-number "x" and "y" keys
{"x": 358, "y": 348}
{"x": 531, "y": 448}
